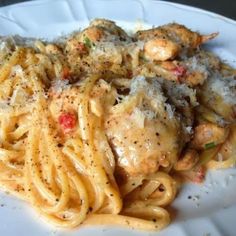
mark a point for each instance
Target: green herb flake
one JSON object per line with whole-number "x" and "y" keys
{"x": 87, "y": 42}
{"x": 210, "y": 145}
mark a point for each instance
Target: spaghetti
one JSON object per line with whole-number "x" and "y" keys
{"x": 94, "y": 132}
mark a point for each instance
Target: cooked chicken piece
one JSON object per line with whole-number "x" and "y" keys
{"x": 166, "y": 42}
{"x": 107, "y": 53}
{"x": 208, "y": 134}
{"x": 186, "y": 37}
{"x": 101, "y": 30}
{"x": 158, "y": 49}
{"x": 92, "y": 34}
{"x": 144, "y": 133}
{"x": 112, "y": 28}
{"x": 177, "y": 33}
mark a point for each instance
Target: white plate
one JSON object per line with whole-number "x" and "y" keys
{"x": 212, "y": 209}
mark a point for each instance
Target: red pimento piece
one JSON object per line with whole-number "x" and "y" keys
{"x": 198, "y": 174}
{"x": 67, "y": 121}
{"x": 179, "y": 71}
{"x": 66, "y": 73}
{"x": 81, "y": 47}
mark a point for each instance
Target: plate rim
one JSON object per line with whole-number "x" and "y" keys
{"x": 212, "y": 15}
{"x": 173, "y": 4}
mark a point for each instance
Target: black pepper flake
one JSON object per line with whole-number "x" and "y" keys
{"x": 128, "y": 223}
{"x": 154, "y": 220}
{"x": 157, "y": 134}
{"x": 59, "y": 145}
{"x": 189, "y": 197}
{"x": 111, "y": 195}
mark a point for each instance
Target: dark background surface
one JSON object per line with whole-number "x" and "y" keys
{"x": 223, "y": 7}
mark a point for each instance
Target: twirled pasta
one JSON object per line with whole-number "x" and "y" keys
{"x": 91, "y": 134}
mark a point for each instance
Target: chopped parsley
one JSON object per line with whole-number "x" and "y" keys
{"x": 210, "y": 145}
{"x": 88, "y": 43}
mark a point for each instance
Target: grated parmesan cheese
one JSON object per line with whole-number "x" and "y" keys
{"x": 58, "y": 85}
{"x": 107, "y": 51}
{"x": 179, "y": 92}
{"x": 195, "y": 64}
{"x": 149, "y": 114}
{"x": 224, "y": 87}
{"x": 189, "y": 129}
{"x": 169, "y": 110}
{"x": 139, "y": 117}
{"x": 152, "y": 88}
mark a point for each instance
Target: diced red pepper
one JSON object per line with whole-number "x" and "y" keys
{"x": 66, "y": 73}
{"x": 179, "y": 71}
{"x": 81, "y": 47}
{"x": 198, "y": 174}
{"x": 67, "y": 121}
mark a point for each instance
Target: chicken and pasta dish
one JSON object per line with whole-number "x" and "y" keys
{"x": 103, "y": 126}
